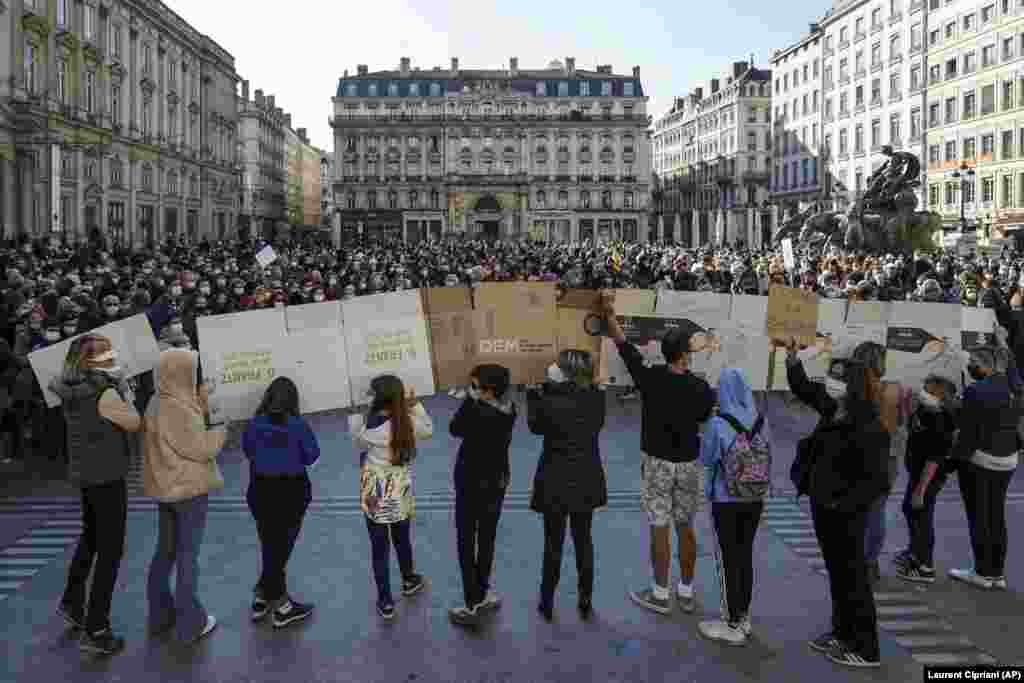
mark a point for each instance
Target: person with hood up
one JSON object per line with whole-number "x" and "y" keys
{"x": 100, "y": 418}
{"x": 484, "y": 422}
{"x": 280, "y": 447}
{"x": 735, "y": 515}
{"x": 179, "y": 470}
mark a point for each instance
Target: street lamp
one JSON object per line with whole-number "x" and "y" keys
{"x": 965, "y": 174}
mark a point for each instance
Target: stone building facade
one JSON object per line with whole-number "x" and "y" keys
{"x": 557, "y": 153}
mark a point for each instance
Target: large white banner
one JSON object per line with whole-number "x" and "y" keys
{"x": 132, "y": 339}
{"x": 387, "y": 334}
{"x": 317, "y": 356}
{"x": 709, "y": 312}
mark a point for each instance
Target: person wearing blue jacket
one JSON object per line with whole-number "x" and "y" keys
{"x": 733, "y": 520}
{"x": 280, "y": 447}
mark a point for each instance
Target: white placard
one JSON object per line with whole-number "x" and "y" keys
{"x": 787, "y": 254}
{"x": 387, "y": 334}
{"x": 868, "y": 313}
{"x": 132, "y": 339}
{"x": 708, "y": 310}
{"x": 321, "y": 316}
{"x": 317, "y": 361}
{"x": 266, "y": 256}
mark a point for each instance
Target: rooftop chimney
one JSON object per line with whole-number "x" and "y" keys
{"x": 636, "y": 72}
{"x": 279, "y": 112}
{"x": 404, "y": 66}
{"x": 288, "y": 120}
{"x": 245, "y": 90}
{"x": 259, "y": 97}
{"x": 362, "y": 69}
{"x": 513, "y": 65}
{"x": 714, "y": 85}
{"x": 270, "y": 101}
{"x": 815, "y": 27}
{"x": 604, "y": 68}
{"x": 455, "y": 65}
{"x": 570, "y": 66}
{"x": 301, "y": 132}
{"x": 345, "y": 75}
{"x": 699, "y": 93}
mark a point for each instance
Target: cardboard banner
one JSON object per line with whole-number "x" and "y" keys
{"x": 792, "y": 314}
{"x": 132, "y": 339}
{"x": 922, "y": 339}
{"x": 515, "y": 326}
{"x": 244, "y": 352}
{"x": 387, "y": 334}
{"x": 449, "y": 312}
{"x": 317, "y": 361}
{"x": 321, "y": 316}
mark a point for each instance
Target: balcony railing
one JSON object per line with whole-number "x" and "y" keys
{"x": 843, "y": 44}
{"x": 876, "y": 67}
{"x": 895, "y": 59}
{"x": 876, "y": 102}
{"x": 895, "y": 18}
{"x": 406, "y": 118}
{"x": 756, "y": 177}
{"x": 859, "y": 74}
{"x": 875, "y": 28}
{"x": 844, "y": 80}
{"x": 859, "y": 37}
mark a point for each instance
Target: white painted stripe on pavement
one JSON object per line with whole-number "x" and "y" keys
{"x": 10, "y": 585}
{"x": 6, "y": 573}
{"x": 45, "y": 542}
{"x": 912, "y": 625}
{"x": 902, "y": 610}
{"x": 945, "y": 658}
{"x": 897, "y": 597}
{"x": 934, "y": 641}
{"x": 25, "y": 561}
{"x": 15, "y": 551}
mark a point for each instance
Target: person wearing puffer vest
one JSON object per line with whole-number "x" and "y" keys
{"x": 733, "y": 520}
{"x": 100, "y": 418}
{"x": 387, "y": 436}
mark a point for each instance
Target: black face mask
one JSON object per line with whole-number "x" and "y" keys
{"x": 976, "y": 373}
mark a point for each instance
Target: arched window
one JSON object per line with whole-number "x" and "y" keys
{"x": 392, "y": 200}
{"x": 414, "y": 198}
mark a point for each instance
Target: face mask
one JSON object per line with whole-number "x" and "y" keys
{"x": 35, "y": 326}
{"x": 204, "y": 290}
{"x": 52, "y": 336}
{"x": 176, "y": 328}
{"x": 175, "y": 291}
{"x": 555, "y": 374}
{"x": 318, "y": 298}
{"x": 474, "y": 393}
{"x": 835, "y": 388}
{"x": 239, "y": 291}
{"x": 113, "y": 310}
{"x": 928, "y": 400}
{"x": 69, "y": 330}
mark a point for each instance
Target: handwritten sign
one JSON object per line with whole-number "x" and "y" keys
{"x": 792, "y": 313}
{"x": 247, "y": 366}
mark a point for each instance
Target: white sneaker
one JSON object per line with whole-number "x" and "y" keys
{"x": 745, "y": 626}
{"x": 460, "y": 394}
{"x": 211, "y": 623}
{"x": 686, "y": 599}
{"x": 1000, "y": 584}
{"x": 968, "y": 576}
{"x": 723, "y": 632}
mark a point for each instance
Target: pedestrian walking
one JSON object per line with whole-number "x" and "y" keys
{"x": 675, "y": 404}
{"x": 484, "y": 422}
{"x": 179, "y": 470}
{"x": 387, "y": 435}
{"x": 100, "y": 420}
{"x": 736, "y": 454}
{"x": 850, "y": 449}
{"x": 280, "y": 448}
{"x": 568, "y": 411}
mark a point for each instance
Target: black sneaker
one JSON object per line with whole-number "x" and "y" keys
{"x": 260, "y": 607}
{"x": 413, "y": 584}
{"x": 847, "y": 657}
{"x": 290, "y": 611}
{"x": 465, "y": 616}
{"x": 386, "y": 610}
{"x": 903, "y": 558}
{"x": 75, "y": 619}
{"x": 825, "y": 643}
{"x": 916, "y": 573}
{"x": 101, "y": 643}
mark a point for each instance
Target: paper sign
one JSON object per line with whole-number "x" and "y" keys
{"x": 580, "y": 299}
{"x": 787, "y": 254}
{"x": 708, "y": 310}
{"x": 132, "y": 339}
{"x": 320, "y": 316}
{"x": 449, "y": 312}
{"x": 515, "y": 327}
{"x": 387, "y": 335}
{"x": 571, "y": 333}
{"x": 634, "y": 301}
{"x": 792, "y": 314}
{"x": 317, "y": 361}
{"x": 978, "y": 327}
{"x": 266, "y": 256}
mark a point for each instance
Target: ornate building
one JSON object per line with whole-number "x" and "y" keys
{"x": 116, "y": 117}
{"x": 264, "y": 162}
{"x": 712, "y": 160}
{"x": 555, "y": 153}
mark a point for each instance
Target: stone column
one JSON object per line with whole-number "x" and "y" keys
{"x": 751, "y": 227}
{"x": 9, "y": 219}
{"x": 695, "y": 228}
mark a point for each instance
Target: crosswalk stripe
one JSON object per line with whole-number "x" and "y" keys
{"x": 6, "y": 573}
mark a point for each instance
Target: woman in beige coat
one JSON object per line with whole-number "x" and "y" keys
{"x": 179, "y": 471}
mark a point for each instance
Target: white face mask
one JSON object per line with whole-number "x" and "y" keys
{"x": 928, "y": 400}
{"x": 175, "y": 291}
{"x": 176, "y": 328}
{"x": 204, "y": 290}
{"x": 835, "y": 388}
{"x": 318, "y": 298}
{"x": 555, "y": 374}
{"x": 52, "y": 336}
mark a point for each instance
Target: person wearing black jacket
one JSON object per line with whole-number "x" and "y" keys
{"x": 569, "y": 412}
{"x": 484, "y": 422}
{"x": 850, "y": 472}
{"x": 985, "y": 457}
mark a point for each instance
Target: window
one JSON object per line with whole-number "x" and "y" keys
{"x": 876, "y": 134}
{"x": 950, "y": 30}
{"x": 933, "y": 195}
{"x": 844, "y": 69}
{"x": 89, "y": 25}
{"x": 371, "y": 199}
{"x": 392, "y": 90}
{"x": 969, "y": 193}
{"x": 585, "y": 88}
{"x": 934, "y": 73}
{"x": 844, "y": 104}
{"x": 62, "y": 12}
{"x": 1007, "y": 192}
{"x": 1007, "y": 48}
{"x": 988, "y": 143}
{"x": 115, "y": 40}
{"x": 876, "y": 17}
{"x": 172, "y": 73}
{"x": 915, "y": 77}
{"x": 371, "y": 90}
{"x": 606, "y": 199}
{"x": 90, "y": 92}
{"x": 934, "y": 37}
{"x": 970, "y": 62}
{"x": 951, "y": 68}
{"x": 894, "y": 86}
{"x": 915, "y": 37}
{"x": 876, "y": 55}
{"x": 859, "y": 96}
{"x": 606, "y": 88}
{"x": 951, "y": 150}
{"x": 915, "y": 123}
{"x": 147, "y": 178}
{"x": 933, "y": 154}
{"x": 859, "y": 62}
{"x": 350, "y": 200}
{"x": 987, "y": 12}
{"x": 814, "y": 101}
{"x": 950, "y": 193}
{"x": 988, "y": 55}
{"x": 1007, "y": 95}
{"x": 147, "y": 59}
{"x": 115, "y": 105}
{"x": 30, "y": 68}
{"x": 584, "y": 199}
{"x": 542, "y": 199}
{"x": 435, "y": 89}
{"x": 147, "y": 117}
{"x": 933, "y": 115}
{"x": 988, "y": 99}
{"x": 969, "y": 106}
{"x": 843, "y": 142}
{"x": 969, "y": 23}
{"x": 894, "y": 128}
{"x": 172, "y": 183}
{"x": 115, "y": 173}
{"x": 970, "y": 150}
{"x": 844, "y": 34}
{"x": 894, "y": 47}
{"x": 951, "y": 109}
{"x": 62, "y": 81}
{"x": 435, "y": 199}
{"x": 816, "y": 67}
{"x": 988, "y": 187}
{"x": 1007, "y": 145}
{"x": 859, "y": 27}
{"x": 542, "y": 89}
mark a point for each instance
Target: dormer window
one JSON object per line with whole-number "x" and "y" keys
{"x": 627, "y": 89}
{"x": 351, "y": 89}
{"x": 606, "y": 88}
{"x": 563, "y": 89}
{"x": 584, "y": 88}
{"x": 414, "y": 89}
{"x": 435, "y": 89}
{"x": 542, "y": 89}
{"x": 392, "y": 90}
{"x": 372, "y": 89}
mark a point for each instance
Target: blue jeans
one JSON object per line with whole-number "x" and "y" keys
{"x": 874, "y": 538}
{"x": 382, "y": 536}
{"x": 182, "y": 525}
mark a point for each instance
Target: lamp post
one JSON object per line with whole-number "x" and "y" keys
{"x": 965, "y": 174}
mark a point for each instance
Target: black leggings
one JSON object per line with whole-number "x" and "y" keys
{"x": 554, "y": 538}
{"x": 984, "y": 495}
{"x": 735, "y": 526}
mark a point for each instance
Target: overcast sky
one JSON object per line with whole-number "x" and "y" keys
{"x": 298, "y": 49}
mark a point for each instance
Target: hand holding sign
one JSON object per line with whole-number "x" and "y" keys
{"x": 792, "y": 313}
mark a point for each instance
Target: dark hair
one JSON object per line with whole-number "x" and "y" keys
{"x": 389, "y": 394}
{"x": 494, "y": 377}
{"x": 872, "y": 355}
{"x": 862, "y": 393}
{"x": 280, "y": 401}
{"x": 675, "y": 345}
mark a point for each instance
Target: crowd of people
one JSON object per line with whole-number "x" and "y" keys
{"x": 698, "y": 446}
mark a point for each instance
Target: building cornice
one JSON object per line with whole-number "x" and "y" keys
{"x": 841, "y": 10}
{"x": 169, "y": 20}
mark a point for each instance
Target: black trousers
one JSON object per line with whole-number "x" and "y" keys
{"x": 554, "y": 538}
{"x": 735, "y": 526}
{"x": 278, "y": 504}
{"x": 476, "y": 525}
{"x": 841, "y": 537}
{"x": 921, "y": 523}
{"x": 984, "y": 495}
{"x": 99, "y": 552}
{"x": 382, "y": 537}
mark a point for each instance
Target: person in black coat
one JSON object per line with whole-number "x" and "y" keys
{"x": 570, "y": 483}
{"x": 484, "y": 422}
{"x": 850, "y": 449}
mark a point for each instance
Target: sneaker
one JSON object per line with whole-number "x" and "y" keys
{"x": 999, "y": 583}
{"x": 970, "y": 577}
{"x": 290, "y": 612}
{"x": 586, "y": 608}
{"x": 631, "y": 395}
{"x": 451, "y": 392}
{"x": 260, "y": 607}
{"x": 645, "y": 598}
{"x": 686, "y": 599}
{"x": 723, "y": 632}
{"x": 847, "y": 657}
{"x": 826, "y": 642}
{"x": 413, "y": 585}
{"x": 101, "y": 643}
{"x": 903, "y": 557}
{"x": 491, "y": 601}
{"x": 465, "y": 616}
{"x": 211, "y": 624}
{"x": 460, "y": 394}
{"x": 874, "y": 573}
{"x": 386, "y": 610}
{"x": 745, "y": 626}
{"x": 916, "y": 573}
{"x": 75, "y": 619}
{"x": 547, "y": 610}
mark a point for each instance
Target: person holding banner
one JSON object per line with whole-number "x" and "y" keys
{"x": 280, "y": 447}
{"x": 387, "y": 435}
{"x": 100, "y": 418}
{"x": 569, "y": 484}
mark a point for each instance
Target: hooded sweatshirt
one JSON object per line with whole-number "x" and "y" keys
{"x": 278, "y": 449}
{"x": 736, "y": 399}
{"x": 179, "y": 452}
{"x": 485, "y": 428}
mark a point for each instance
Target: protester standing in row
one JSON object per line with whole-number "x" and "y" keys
{"x": 180, "y": 469}
{"x": 568, "y": 411}
{"x": 388, "y": 434}
{"x": 280, "y": 448}
{"x": 100, "y": 419}
{"x": 736, "y": 490}
{"x": 484, "y": 422}
{"x": 850, "y": 448}
{"x": 675, "y": 404}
